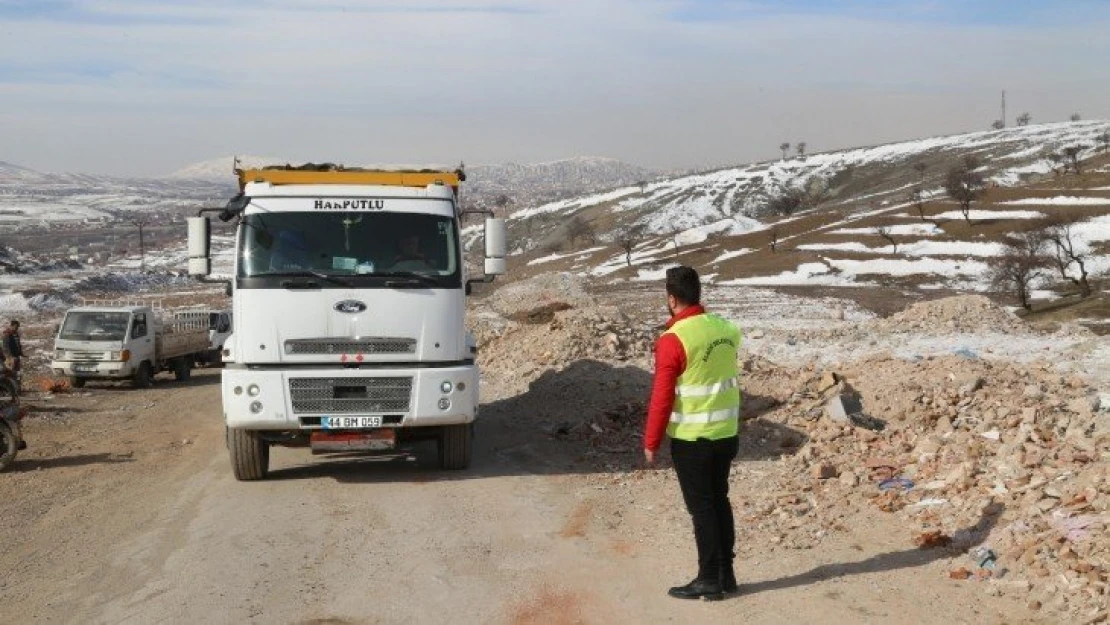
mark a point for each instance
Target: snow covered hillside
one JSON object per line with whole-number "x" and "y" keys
{"x": 719, "y": 220}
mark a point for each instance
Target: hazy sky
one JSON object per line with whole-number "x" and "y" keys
{"x": 146, "y": 86}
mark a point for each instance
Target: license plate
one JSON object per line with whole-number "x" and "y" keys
{"x": 85, "y": 367}
{"x": 350, "y": 423}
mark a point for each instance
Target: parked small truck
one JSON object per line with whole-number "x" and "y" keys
{"x": 219, "y": 330}
{"x": 128, "y": 340}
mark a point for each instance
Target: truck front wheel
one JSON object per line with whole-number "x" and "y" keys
{"x": 76, "y": 382}
{"x": 143, "y": 376}
{"x": 455, "y": 442}
{"x": 250, "y": 454}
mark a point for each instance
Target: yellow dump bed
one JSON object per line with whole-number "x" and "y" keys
{"x": 337, "y": 174}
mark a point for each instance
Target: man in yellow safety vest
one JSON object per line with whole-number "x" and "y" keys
{"x": 695, "y": 400}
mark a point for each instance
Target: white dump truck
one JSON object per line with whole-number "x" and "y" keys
{"x": 128, "y": 340}
{"x": 348, "y": 294}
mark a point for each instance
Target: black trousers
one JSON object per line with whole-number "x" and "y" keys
{"x": 702, "y": 467}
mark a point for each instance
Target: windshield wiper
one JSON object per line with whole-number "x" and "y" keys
{"x": 409, "y": 278}
{"x": 311, "y": 274}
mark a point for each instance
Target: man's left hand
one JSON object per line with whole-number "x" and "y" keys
{"x": 649, "y": 457}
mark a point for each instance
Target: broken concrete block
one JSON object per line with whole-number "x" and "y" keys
{"x": 823, "y": 471}
{"x": 840, "y": 407}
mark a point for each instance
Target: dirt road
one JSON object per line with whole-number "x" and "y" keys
{"x": 124, "y": 510}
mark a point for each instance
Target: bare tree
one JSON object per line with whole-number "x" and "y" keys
{"x": 800, "y": 147}
{"x": 1024, "y": 119}
{"x": 579, "y": 229}
{"x": 785, "y": 147}
{"x": 917, "y": 197}
{"x": 1075, "y": 117}
{"x": 773, "y": 238}
{"x": 642, "y": 184}
{"x": 1020, "y": 265}
{"x": 1104, "y": 140}
{"x": 1067, "y": 250}
{"x": 786, "y": 202}
{"x": 965, "y": 185}
{"x": 998, "y": 124}
{"x": 1072, "y": 154}
{"x": 920, "y": 168}
{"x": 628, "y": 240}
{"x": 884, "y": 232}
{"x": 502, "y": 201}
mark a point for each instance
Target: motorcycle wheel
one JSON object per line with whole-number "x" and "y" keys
{"x": 9, "y": 445}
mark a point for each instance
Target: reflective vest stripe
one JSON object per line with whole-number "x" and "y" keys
{"x": 706, "y": 389}
{"x": 713, "y": 416}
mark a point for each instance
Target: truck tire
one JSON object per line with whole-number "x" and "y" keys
{"x": 250, "y": 454}
{"x": 455, "y": 442}
{"x": 76, "y": 382}
{"x": 182, "y": 368}
{"x": 9, "y": 446}
{"x": 143, "y": 376}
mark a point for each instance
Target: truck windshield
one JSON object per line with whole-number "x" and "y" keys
{"x": 372, "y": 245}
{"x": 94, "y": 326}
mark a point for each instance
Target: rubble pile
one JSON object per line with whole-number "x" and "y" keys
{"x": 1012, "y": 462}
{"x": 963, "y": 313}
{"x": 1002, "y": 465}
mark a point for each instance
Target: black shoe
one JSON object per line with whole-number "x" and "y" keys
{"x": 698, "y": 589}
{"x": 728, "y": 579}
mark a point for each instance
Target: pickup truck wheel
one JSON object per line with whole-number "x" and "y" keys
{"x": 76, "y": 382}
{"x": 455, "y": 442}
{"x": 250, "y": 454}
{"x": 182, "y": 369}
{"x": 9, "y": 446}
{"x": 143, "y": 377}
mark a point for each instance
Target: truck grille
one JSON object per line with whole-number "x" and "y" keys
{"x": 350, "y": 395}
{"x": 351, "y": 346}
{"x": 82, "y": 355}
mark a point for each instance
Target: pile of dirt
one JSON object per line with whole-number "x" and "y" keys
{"x": 963, "y": 313}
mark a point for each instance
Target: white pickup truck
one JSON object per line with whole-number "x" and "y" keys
{"x": 118, "y": 340}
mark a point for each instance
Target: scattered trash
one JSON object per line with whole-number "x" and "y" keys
{"x": 983, "y": 557}
{"x": 896, "y": 483}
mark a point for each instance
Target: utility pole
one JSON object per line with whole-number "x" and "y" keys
{"x": 1003, "y": 118}
{"x": 142, "y": 247}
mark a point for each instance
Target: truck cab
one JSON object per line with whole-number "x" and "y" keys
{"x": 349, "y": 296}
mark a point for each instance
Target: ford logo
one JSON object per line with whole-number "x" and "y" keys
{"x": 350, "y": 306}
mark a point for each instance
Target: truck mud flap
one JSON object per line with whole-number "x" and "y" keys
{"x": 370, "y": 440}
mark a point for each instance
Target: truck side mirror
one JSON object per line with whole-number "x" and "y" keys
{"x": 199, "y": 240}
{"x": 496, "y": 238}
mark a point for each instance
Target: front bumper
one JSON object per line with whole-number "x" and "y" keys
{"x": 259, "y": 399}
{"x": 100, "y": 369}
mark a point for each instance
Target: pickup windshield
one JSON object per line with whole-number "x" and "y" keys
{"x": 94, "y": 326}
{"x": 350, "y": 246}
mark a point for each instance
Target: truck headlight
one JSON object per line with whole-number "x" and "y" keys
{"x": 253, "y": 390}
{"x": 256, "y": 407}
{"x": 125, "y": 355}
{"x": 446, "y": 387}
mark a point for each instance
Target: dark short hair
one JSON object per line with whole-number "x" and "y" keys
{"x": 684, "y": 285}
{"x": 15, "y": 322}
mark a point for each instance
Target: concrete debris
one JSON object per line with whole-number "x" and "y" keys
{"x": 975, "y": 452}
